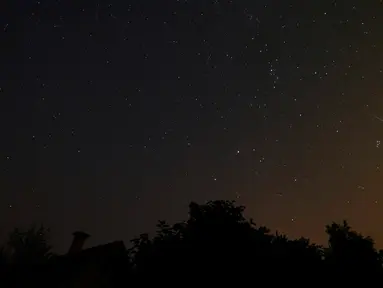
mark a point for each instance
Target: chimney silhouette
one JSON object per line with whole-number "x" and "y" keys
{"x": 79, "y": 238}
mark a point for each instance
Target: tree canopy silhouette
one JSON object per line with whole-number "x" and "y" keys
{"x": 30, "y": 246}
{"x": 351, "y": 252}
{"x": 217, "y": 240}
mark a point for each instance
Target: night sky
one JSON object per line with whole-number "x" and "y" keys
{"x": 115, "y": 114}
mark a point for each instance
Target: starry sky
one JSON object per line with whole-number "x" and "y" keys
{"x": 117, "y": 113}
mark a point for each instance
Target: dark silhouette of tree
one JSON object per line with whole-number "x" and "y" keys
{"x": 30, "y": 246}
{"x": 23, "y": 256}
{"x": 218, "y": 241}
{"x": 351, "y": 252}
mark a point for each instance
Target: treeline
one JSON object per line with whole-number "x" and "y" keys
{"x": 218, "y": 244}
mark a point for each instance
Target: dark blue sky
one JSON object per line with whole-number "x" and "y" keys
{"x": 115, "y": 114}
